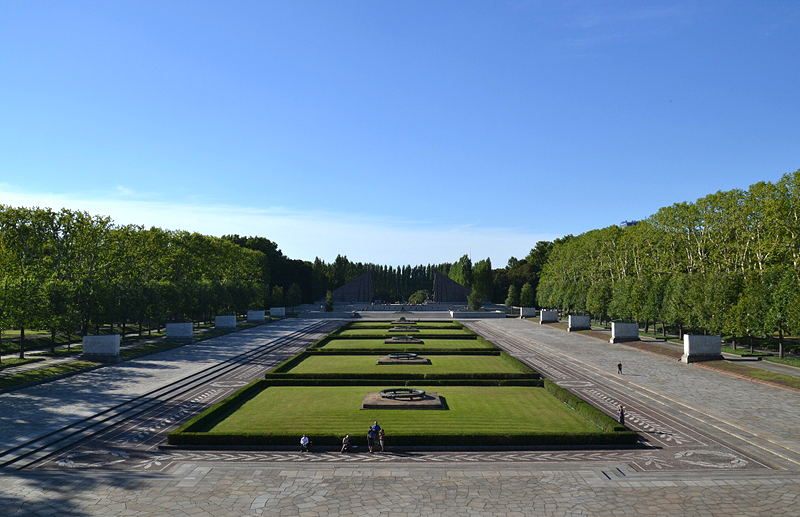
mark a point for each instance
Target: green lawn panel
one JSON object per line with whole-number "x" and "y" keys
{"x": 365, "y": 364}
{"x": 366, "y": 344}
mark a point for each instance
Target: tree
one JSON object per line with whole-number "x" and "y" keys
{"x": 277, "y": 296}
{"x": 475, "y": 300}
{"x": 527, "y": 296}
{"x": 512, "y": 300}
{"x": 418, "y": 297}
{"x": 294, "y": 297}
{"x": 329, "y": 301}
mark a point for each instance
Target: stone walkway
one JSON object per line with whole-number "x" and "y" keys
{"x": 759, "y": 420}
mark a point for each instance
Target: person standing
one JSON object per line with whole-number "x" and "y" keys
{"x": 619, "y": 367}
{"x": 346, "y": 443}
{"x": 371, "y": 438}
{"x": 381, "y": 436}
{"x": 621, "y": 413}
{"x": 305, "y": 443}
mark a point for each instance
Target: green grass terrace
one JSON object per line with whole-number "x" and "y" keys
{"x": 478, "y": 416}
{"x": 336, "y": 344}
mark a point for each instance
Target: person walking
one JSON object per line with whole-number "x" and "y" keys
{"x": 619, "y": 367}
{"x": 621, "y": 413}
{"x": 346, "y": 443}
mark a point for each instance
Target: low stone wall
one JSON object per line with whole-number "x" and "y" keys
{"x": 579, "y": 323}
{"x": 476, "y": 314}
{"x": 548, "y": 316}
{"x": 225, "y": 322}
{"x": 701, "y": 348}
{"x": 102, "y": 348}
{"x": 621, "y": 332}
{"x": 180, "y": 332}
{"x": 527, "y": 312}
{"x": 277, "y": 312}
{"x": 256, "y": 316}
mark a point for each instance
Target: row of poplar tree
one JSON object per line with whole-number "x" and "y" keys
{"x": 69, "y": 271}
{"x": 729, "y": 263}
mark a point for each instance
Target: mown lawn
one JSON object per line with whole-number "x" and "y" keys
{"x": 365, "y": 344}
{"x": 326, "y": 364}
{"x": 385, "y": 332}
{"x": 419, "y": 325}
{"x": 472, "y": 410}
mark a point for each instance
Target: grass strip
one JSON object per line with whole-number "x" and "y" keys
{"x": 789, "y": 361}
{"x": 777, "y": 379}
{"x": 10, "y": 363}
{"x": 45, "y": 374}
{"x": 745, "y": 352}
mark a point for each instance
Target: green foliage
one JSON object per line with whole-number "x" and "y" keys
{"x": 475, "y": 300}
{"x": 419, "y": 297}
{"x": 329, "y": 301}
{"x": 512, "y": 300}
{"x": 527, "y": 297}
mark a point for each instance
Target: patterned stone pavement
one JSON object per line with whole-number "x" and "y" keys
{"x": 748, "y": 429}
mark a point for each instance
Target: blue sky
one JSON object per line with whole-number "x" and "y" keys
{"x": 393, "y": 132}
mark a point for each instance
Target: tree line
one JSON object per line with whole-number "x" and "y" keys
{"x": 729, "y": 263}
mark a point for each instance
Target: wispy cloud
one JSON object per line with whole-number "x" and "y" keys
{"x": 303, "y": 234}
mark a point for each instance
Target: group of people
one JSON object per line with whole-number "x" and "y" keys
{"x": 375, "y": 433}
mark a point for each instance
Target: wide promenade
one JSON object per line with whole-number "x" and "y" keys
{"x": 714, "y": 444}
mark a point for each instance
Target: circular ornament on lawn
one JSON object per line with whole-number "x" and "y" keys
{"x": 403, "y": 394}
{"x": 403, "y": 355}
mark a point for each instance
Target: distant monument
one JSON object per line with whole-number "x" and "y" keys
{"x": 447, "y": 290}
{"x": 358, "y": 290}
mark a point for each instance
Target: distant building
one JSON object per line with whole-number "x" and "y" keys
{"x": 625, "y": 224}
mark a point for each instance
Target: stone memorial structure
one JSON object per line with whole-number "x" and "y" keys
{"x": 277, "y": 312}
{"x": 180, "y": 332}
{"x": 402, "y": 340}
{"x": 579, "y": 323}
{"x": 403, "y": 358}
{"x": 447, "y": 290}
{"x": 701, "y": 348}
{"x": 225, "y": 322}
{"x": 527, "y": 312}
{"x": 358, "y": 290}
{"x": 548, "y": 316}
{"x": 256, "y": 316}
{"x": 104, "y": 349}
{"x": 402, "y": 398}
{"x": 621, "y": 332}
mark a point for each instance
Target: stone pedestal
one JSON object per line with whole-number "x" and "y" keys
{"x": 103, "y": 349}
{"x": 183, "y": 332}
{"x": 701, "y": 348}
{"x": 375, "y": 401}
{"x": 527, "y": 312}
{"x": 579, "y": 323}
{"x": 277, "y": 312}
{"x": 256, "y": 316}
{"x": 621, "y": 332}
{"x": 225, "y": 322}
{"x": 548, "y": 316}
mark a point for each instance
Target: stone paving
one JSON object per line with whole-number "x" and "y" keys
{"x": 761, "y": 420}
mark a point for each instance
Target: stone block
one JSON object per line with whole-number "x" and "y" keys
{"x": 621, "y": 332}
{"x": 277, "y": 312}
{"x": 225, "y": 322}
{"x": 579, "y": 323}
{"x": 548, "y": 316}
{"x": 180, "y": 332}
{"x": 102, "y": 348}
{"x": 527, "y": 312}
{"x": 256, "y": 316}
{"x": 701, "y": 348}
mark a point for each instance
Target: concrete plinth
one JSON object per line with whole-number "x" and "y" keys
{"x": 256, "y": 316}
{"x": 403, "y": 329}
{"x": 701, "y": 348}
{"x": 385, "y": 359}
{"x": 277, "y": 312}
{"x": 527, "y": 312}
{"x": 183, "y": 332}
{"x": 579, "y": 323}
{"x": 375, "y": 401}
{"x": 548, "y": 316}
{"x": 225, "y": 322}
{"x": 102, "y": 348}
{"x": 402, "y": 340}
{"x": 621, "y": 332}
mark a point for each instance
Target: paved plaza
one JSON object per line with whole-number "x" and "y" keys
{"x": 712, "y": 444}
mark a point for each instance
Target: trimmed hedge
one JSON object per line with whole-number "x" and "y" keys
{"x": 382, "y": 377}
{"x": 591, "y": 413}
{"x": 457, "y": 440}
